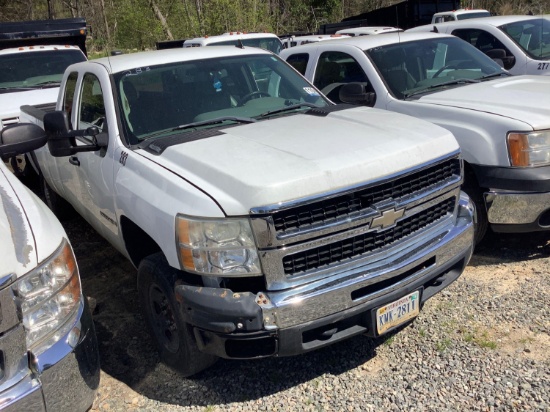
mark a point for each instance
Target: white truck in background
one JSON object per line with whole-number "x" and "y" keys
{"x": 48, "y": 348}
{"x": 33, "y": 57}
{"x": 266, "y": 41}
{"x": 262, "y": 219}
{"x": 520, "y": 44}
{"x": 460, "y": 14}
{"x": 502, "y": 122}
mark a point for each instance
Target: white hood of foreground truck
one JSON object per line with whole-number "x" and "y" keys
{"x": 530, "y": 103}
{"x": 29, "y": 232}
{"x": 292, "y": 157}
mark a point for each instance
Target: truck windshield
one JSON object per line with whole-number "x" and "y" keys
{"x": 184, "y": 96}
{"x": 273, "y": 44}
{"x": 533, "y": 36}
{"x": 35, "y": 69}
{"x": 416, "y": 67}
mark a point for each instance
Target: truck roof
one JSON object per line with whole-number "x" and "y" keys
{"x": 116, "y": 64}
{"x": 24, "y": 49}
{"x": 495, "y": 21}
{"x": 368, "y": 42}
{"x": 228, "y": 36}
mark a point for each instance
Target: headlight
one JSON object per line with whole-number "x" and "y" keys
{"x": 529, "y": 149}
{"x": 48, "y": 297}
{"x": 219, "y": 247}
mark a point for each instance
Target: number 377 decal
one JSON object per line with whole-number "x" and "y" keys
{"x": 543, "y": 66}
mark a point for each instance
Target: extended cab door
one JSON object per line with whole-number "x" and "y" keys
{"x": 93, "y": 172}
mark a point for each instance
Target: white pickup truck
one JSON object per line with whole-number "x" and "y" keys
{"x": 501, "y": 122}
{"x": 520, "y": 43}
{"x": 48, "y": 349}
{"x": 263, "y": 220}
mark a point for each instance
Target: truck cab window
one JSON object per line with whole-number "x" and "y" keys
{"x": 68, "y": 95}
{"x": 299, "y": 62}
{"x": 92, "y": 107}
{"x": 334, "y": 69}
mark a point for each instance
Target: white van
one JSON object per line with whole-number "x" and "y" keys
{"x": 267, "y": 41}
{"x": 460, "y": 14}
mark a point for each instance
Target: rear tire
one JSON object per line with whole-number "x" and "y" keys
{"x": 59, "y": 206}
{"x": 173, "y": 337}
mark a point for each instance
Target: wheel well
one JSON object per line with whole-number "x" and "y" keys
{"x": 470, "y": 177}
{"x": 138, "y": 243}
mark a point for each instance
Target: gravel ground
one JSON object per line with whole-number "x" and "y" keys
{"x": 481, "y": 345}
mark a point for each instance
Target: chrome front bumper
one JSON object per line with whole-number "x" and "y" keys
{"x": 518, "y": 208}
{"x": 65, "y": 377}
{"x": 362, "y": 284}
{"x": 283, "y": 323}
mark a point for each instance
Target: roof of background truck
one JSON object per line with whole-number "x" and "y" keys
{"x": 369, "y": 42}
{"x": 227, "y": 36}
{"x": 24, "y": 49}
{"x": 123, "y": 62}
{"x": 495, "y": 21}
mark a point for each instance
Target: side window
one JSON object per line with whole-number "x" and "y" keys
{"x": 299, "y": 62}
{"x": 92, "y": 107}
{"x": 486, "y": 42}
{"x": 334, "y": 69}
{"x": 68, "y": 95}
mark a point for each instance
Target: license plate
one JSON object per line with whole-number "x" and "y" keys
{"x": 397, "y": 312}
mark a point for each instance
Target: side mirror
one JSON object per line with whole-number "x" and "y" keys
{"x": 61, "y": 139}
{"x": 21, "y": 138}
{"x": 356, "y": 93}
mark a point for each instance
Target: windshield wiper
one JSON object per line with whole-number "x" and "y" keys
{"x": 288, "y": 108}
{"x": 214, "y": 121}
{"x": 209, "y": 122}
{"x": 489, "y": 76}
{"x": 436, "y": 86}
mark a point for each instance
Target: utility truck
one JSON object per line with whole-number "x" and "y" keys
{"x": 500, "y": 121}
{"x": 48, "y": 348}
{"x": 33, "y": 57}
{"x": 262, "y": 219}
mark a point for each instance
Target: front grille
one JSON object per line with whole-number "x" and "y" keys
{"x": 353, "y": 247}
{"x": 346, "y": 205}
{"x": 10, "y": 120}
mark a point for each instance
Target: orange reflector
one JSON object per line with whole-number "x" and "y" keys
{"x": 519, "y": 149}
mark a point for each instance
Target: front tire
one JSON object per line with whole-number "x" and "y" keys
{"x": 173, "y": 337}
{"x": 481, "y": 221}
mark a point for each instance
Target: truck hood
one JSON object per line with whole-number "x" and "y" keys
{"x": 29, "y": 232}
{"x": 292, "y": 157}
{"x": 523, "y": 98}
{"x": 11, "y": 102}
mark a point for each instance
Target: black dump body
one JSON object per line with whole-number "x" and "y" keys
{"x": 405, "y": 14}
{"x": 44, "y": 32}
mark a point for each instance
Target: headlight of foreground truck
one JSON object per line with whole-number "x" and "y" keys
{"x": 217, "y": 247}
{"x": 529, "y": 149}
{"x": 48, "y": 298}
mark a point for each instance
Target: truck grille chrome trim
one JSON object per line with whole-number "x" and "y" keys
{"x": 313, "y": 238}
{"x": 346, "y": 205}
{"x": 364, "y": 243}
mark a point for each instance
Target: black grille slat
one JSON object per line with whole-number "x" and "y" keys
{"x": 368, "y": 242}
{"x": 340, "y": 207}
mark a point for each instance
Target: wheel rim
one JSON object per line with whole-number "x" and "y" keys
{"x": 162, "y": 319}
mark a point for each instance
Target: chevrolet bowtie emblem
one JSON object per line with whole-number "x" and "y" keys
{"x": 388, "y": 218}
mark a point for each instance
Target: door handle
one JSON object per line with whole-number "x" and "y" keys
{"x": 74, "y": 161}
